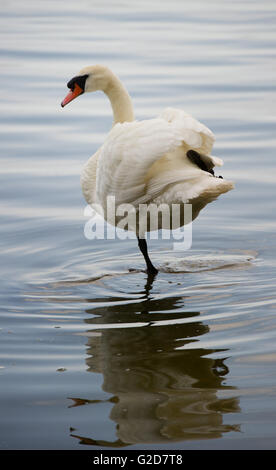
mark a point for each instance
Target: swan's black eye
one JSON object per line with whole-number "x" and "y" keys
{"x": 79, "y": 80}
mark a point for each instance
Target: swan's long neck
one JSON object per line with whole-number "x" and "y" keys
{"x": 120, "y": 101}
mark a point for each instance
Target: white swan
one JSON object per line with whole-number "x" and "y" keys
{"x": 166, "y": 160}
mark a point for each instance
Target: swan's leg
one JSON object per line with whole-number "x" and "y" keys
{"x": 144, "y": 250}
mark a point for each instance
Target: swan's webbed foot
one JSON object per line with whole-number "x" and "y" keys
{"x": 152, "y": 271}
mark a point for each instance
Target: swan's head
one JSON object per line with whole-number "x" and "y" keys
{"x": 92, "y": 78}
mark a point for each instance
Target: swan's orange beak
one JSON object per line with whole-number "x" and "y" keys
{"x": 72, "y": 95}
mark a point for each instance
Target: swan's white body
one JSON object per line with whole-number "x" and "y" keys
{"x": 145, "y": 162}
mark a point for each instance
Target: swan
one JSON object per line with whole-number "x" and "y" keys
{"x": 164, "y": 160}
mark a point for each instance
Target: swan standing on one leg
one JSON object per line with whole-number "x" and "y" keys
{"x": 165, "y": 160}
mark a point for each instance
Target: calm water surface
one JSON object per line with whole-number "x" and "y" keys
{"x": 94, "y": 354}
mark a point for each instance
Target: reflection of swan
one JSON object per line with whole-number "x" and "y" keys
{"x": 151, "y": 161}
{"x": 160, "y": 392}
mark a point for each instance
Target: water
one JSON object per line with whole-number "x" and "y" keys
{"x": 94, "y": 354}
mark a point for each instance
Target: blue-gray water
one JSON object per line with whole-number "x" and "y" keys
{"x": 92, "y": 354}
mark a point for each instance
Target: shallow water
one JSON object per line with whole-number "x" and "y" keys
{"x": 93, "y": 353}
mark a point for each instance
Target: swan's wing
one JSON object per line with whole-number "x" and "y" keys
{"x": 195, "y": 134}
{"x": 131, "y": 148}
{"x": 127, "y": 154}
